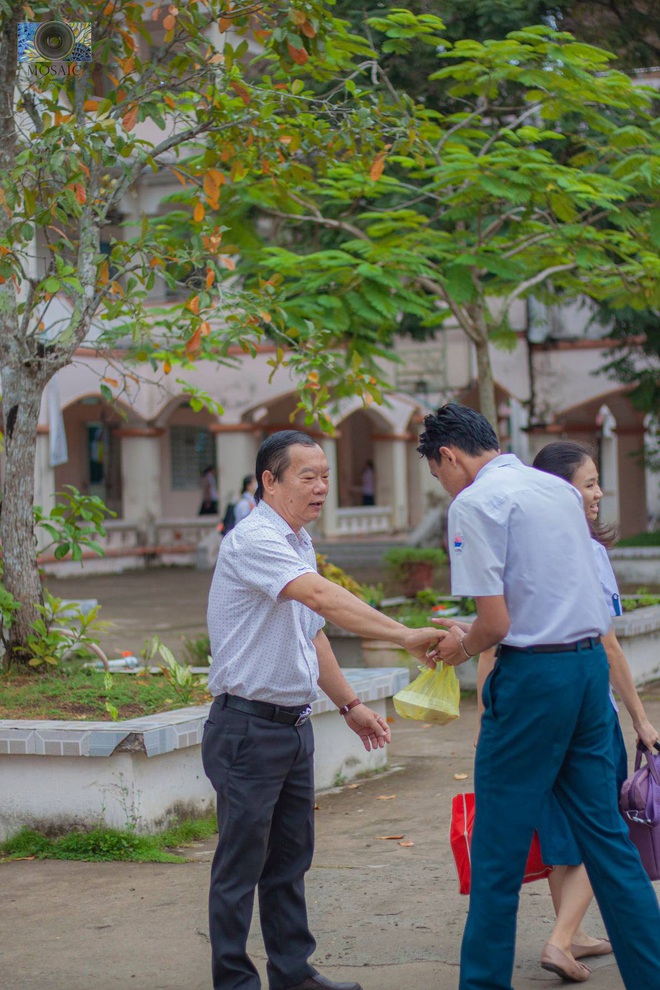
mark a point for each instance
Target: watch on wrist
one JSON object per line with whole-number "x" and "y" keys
{"x": 345, "y": 709}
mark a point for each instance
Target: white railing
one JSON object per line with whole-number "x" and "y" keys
{"x": 364, "y": 520}
{"x": 189, "y": 532}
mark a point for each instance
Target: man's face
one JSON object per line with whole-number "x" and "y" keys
{"x": 449, "y": 472}
{"x": 301, "y": 492}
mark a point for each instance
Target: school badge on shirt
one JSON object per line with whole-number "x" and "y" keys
{"x": 458, "y": 543}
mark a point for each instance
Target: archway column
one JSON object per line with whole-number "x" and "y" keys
{"x": 142, "y": 476}
{"x": 328, "y": 521}
{"x": 236, "y": 451}
{"x": 396, "y": 464}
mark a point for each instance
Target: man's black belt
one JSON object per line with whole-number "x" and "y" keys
{"x": 589, "y": 643}
{"x": 274, "y": 713}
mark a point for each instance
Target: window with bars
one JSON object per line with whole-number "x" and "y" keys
{"x": 191, "y": 450}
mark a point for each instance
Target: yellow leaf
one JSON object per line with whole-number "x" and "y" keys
{"x": 104, "y": 273}
{"x": 308, "y": 29}
{"x": 390, "y": 836}
{"x": 91, "y": 105}
{"x": 79, "y": 193}
{"x": 129, "y": 119}
{"x": 241, "y": 91}
{"x": 193, "y": 305}
{"x": 182, "y": 179}
{"x": 377, "y": 167}
{"x": 385, "y": 797}
{"x": 224, "y": 24}
{"x": 298, "y": 55}
{"x": 409, "y": 843}
{"x": 210, "y": 278}
{"x": 193, "y": 343}
{"x": 169, "y": 22}
{"x": 167, "y": 367}
{"x": 111, "y": 381}
{"x": 198, "y": 213}
{"x": 205, "y": 329}
{"x": 265, "y": 316}
{"x": 228, "y": 262}
{"x": 108, "y": 9}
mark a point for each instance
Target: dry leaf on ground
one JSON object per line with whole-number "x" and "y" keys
{"x": 410, "y": 843}
{"x": 460, "y": 776}
{"x": 390, "y": 836}
{"x": 385, "y": 797}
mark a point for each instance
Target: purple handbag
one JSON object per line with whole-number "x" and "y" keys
{"x": 640, "y": 805}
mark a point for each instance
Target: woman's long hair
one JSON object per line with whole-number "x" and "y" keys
{"x": 563, "y": 458}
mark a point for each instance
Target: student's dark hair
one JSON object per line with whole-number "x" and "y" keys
{"x": 274, "y": 455}
{"x": 456, "y": 426}
{"x": 563, "y": 458}
{"x": 246, "y": 481}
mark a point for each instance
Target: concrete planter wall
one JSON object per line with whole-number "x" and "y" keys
{"x": 638, "y": 566}
{"x": 146, "y": 772}
{"x": 639, "y": 635}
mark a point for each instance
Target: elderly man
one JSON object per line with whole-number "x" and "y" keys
{"x": 266, "y": 610}
{"x": 520, "y": 545}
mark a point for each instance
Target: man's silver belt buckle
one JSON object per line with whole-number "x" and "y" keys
{"x": 304, "y": 715}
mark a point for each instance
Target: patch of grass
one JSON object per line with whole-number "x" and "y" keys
{"x": 188, "y": 831}
{"x": 72, "y": 692}
{"x": 641, "y": 540}
{"x": 641, "y": 599}
{"x": 108, "y": 844}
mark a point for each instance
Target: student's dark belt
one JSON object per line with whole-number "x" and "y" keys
{"x": 274, "y": 713}
{"x": 589, "y": 643}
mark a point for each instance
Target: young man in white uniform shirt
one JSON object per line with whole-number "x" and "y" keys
{"x": 519, "y": 543}
{"x": 266, "y": 615}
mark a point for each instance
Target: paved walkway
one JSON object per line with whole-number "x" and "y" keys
{"x": 387, "y": 915}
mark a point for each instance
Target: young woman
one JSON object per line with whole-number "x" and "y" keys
{"x": 569, "y": 884}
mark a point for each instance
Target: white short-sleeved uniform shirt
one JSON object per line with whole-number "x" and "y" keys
{"x": 522, "y": 533}
{"x": 261, "y": 644}
{"x": 609, "y": 588}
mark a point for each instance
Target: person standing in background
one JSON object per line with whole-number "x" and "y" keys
{"x": 246, "y": 502}
{"x": 209, "y": 506}
{"x": 368, "y": 484}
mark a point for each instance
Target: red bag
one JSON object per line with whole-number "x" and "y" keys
{"x": 460, "y": 838}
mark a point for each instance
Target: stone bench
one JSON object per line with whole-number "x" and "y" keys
{"x": 146, "y": 772}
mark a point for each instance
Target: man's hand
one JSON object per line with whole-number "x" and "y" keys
{"x": 418, "y": 642}
{"x": 449, "y": 648}
{"x": 371, "y": 727}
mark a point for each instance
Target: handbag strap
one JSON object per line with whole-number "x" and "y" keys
{"x": 652, "y": 761}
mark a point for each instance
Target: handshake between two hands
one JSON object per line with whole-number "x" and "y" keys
{"x": 445, "y": 644}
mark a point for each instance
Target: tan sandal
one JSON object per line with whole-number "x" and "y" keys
{"x": 556, "y": 961}
{"x": 603, "y": 948}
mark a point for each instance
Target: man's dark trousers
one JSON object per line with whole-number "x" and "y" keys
{"x": 547, "y": 725}
{"x": 263, "y": 774}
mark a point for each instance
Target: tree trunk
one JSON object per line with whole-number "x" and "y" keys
{"x": 486, "y": 384}
{"x": 21, "y": 401}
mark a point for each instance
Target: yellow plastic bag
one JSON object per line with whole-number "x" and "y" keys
{"x": 432, "y": 697}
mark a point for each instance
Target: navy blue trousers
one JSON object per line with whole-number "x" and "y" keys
{"x": 547, "y": 726}
{"x": 263, "y": 774}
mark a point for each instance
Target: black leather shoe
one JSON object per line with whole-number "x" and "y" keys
{"x": 318, "y": 982}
